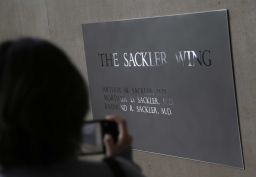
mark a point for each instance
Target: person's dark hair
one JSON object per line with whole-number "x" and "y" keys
{"x": 43, "y": 101}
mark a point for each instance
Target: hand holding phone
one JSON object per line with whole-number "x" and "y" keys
{"x": 124, "y": 140}
{"x": 109, "y": 136}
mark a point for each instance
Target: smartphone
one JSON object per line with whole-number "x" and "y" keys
{"x": 93, "y": 133}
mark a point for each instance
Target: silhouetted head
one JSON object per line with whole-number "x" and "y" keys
{"x": 43, "y": 101}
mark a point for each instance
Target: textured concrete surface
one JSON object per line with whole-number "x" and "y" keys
{"x": 9, "y": 18}
{"x": 60, "y": 21}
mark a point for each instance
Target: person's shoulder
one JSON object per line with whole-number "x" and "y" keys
{"x": 76, "y": 168}
{"x": 105, "y": 168}
{"x": 73, "y": 168}
{"x": 89, "y": 169}
{"x": 130, "y": 168}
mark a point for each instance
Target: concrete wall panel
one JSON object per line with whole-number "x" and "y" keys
{"x": 9, "y": 18}
{"x": 34, "y": 18}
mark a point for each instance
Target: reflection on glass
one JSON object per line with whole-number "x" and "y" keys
{"x": 92, "y": 138}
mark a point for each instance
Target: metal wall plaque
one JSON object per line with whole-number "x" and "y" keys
{"x": 171, "y": 78}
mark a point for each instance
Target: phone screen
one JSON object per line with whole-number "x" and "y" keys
{"x": 93, "y": 133}
{"x": 92, "y": 138}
